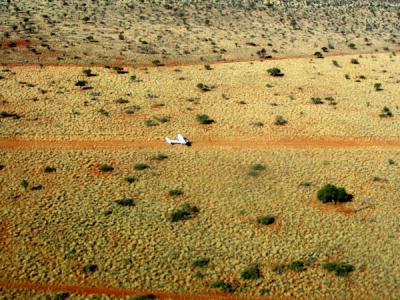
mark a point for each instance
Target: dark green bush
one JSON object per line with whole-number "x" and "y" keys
{"x": 90, "y": 268}
{"x": 297, "y": 266}
{"x": 386, "y": 112}
{"x": 223, "y": 286}
{"x": 340, "y": 269}
{"x": 81, "y": 83}
{"x": 317, "y": 100}
{"x": 141, "y": 166}
{"x": 354, "y": 61}
{"x": 150, "y": 123}
{"x": 335, "y": 63}
{"x": 106, "y": 168}
{"x": 203, "y": 87}
{"x": 144, "y": 297}
{"x": 279, "y": 120}
{"x": 48, "y": 169}
{"x": 204, "y": 119}
{"x": 266, "y": 220}
{"x": 318, "y": 54}
{"x": 251, "y": 273}
{"x": 125, "y": 202}
{"x": 121, "y": 101}
{"x": 378, "y": 87}
{"x": 175, "y": 192}
{"x": 184, "y": 212}
{"x": 258, "y": 167}
{"x": 62, "y": 296}
{"x": 331, "y": 193}
{"x": 275, "y": 72}
{"x": 24, "y": 183}
{"x": 130, "y": 179}
{"x": 200, "y": 263}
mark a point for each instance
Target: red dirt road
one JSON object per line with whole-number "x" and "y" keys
{"x": 295, "y": 143}
{"x": 110, "y": 291}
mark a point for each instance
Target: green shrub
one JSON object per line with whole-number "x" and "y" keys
{"x": 125, "y": 202}
{"x": 121, "y": 101}
{"x": 390, "y": 161}
{"x": 331, "y": 193}
{"x": 48, "y": 169}
{"x": 24, "y": 183}
{"x": 275, "y": 72}
{"x": 175, "y": 192}
{"x": 378, "y": 87}
{"x": 62, "y": 296}
{"x": 81, "y": 83}
{"x": 225, "y": 287}
{"x": 157, "y": 62}
{"x": 317, "y": 100}
{"x": 251, "y": 273}
{"x": 335, "y": 63}
{"x": 184, "y": 212}
{"x": 318, "y": 54}
{"x": 150, "y": 123}
{"x": 258, "y": 167}
{"x": 160, "y": 156}
{"x": 297, "y": 266}
{"x": 203, "y": 87}
{"x": 144, "y": 297}
{"x": 266, "y": 220}
{"x": 104, "y": 112}
{"x": 130, "y": 179}
{"x": 200, "y": 263}
{"x": 386, "y": 112}
{"x": 340, "y": 269}
{"x": 106, "y": 168}
{"x": 352, "y": 46}
{"x": 204, "y": 119}
{"x": 90, "y": 268}
{"x": 88, "y": 73}
{"x": 279, "y": 120}
{"x": 141, "y": 166}
{"x": 354, "y": 61}
{"x": 208, "y": 67}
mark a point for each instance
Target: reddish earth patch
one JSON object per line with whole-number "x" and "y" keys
{"x": 331, "y": 207}
{"x": 20, "y": 43}
{"x": 110, "y": 291}
{"x": 295, "y": 143}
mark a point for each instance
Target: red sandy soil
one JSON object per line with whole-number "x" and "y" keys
{"x": 20, "y": 43}
{"x": 110, "y": 291}
{"x": 189, "y": 63}
{"x": 296, "y": 143}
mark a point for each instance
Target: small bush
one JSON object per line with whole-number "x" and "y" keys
{"x": 335, "y": 63}
{"x": 141, "y": 166}
{"x": 24, "y": 183}
{"x": 331, "y": 193}
{"x": 317, "y": 100}
{"x": 160, "y": 156}
{"x": 266, "y": 220}
{"x": 203, "y": 87}
{"x": 90, "y": 268}
{"x": 62, "y": 296}
{"x": 258, "y": 167}
{"x": 48, "y": 169}
{"x": 88, "y": 73}
{"x": 81, "y": 83}
{"x": 175, "y": 192}
{"x": 279, "y": 120}
{"x": 144, "y": 297}
{"x": 297, "y": 266}
{"x": 352, "y": 46}
{"x": 378, "y": 87}
{"x": 354, "y": 61}
{"x": 390, "y": 161}
{"x": 200, "y": 263}
{"x": 318, "y": 54}
{"x": 208, "y": 67}
{"x": 121, "y": 101}
{"x": 275, "y": 72}
{"x": 279, "y": 269}
{"x": 340, "y": 269}
{"x": 386, "y": 112}
{"x": 251, "y": 273}
{"x": 184, "y": 212}
{"x": 204, "y": 119}
{"x": 130, "y": 179}
{"x": 150, "y": 123}
{"x": 223, "y": 286}
{"x": 157, "y": 62}
{"x": 106, "y": 168}
{"x": 104, "y": 112}
{"x": 125, "y": 202}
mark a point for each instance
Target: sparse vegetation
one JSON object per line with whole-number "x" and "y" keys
{"x": 106, "y": 168}
{"x": 141, "y": 166}
{"x": 125, "y": 202}
{"x": 130, "y": 179}
{"x": 224, "y": 286}
{"x": 200, "y": 263}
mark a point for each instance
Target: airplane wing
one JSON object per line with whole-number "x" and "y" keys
{"x": 181, "y": 139}
{"x": 171, "y": 142}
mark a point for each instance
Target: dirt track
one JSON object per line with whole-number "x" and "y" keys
{"x": 29, "y": 144}
{"x": 116, "y": 292}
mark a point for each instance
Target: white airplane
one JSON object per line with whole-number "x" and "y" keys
{"x": 181, "y": 140}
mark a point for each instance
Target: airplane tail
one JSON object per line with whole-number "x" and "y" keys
{"x": 168, "y": 140}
